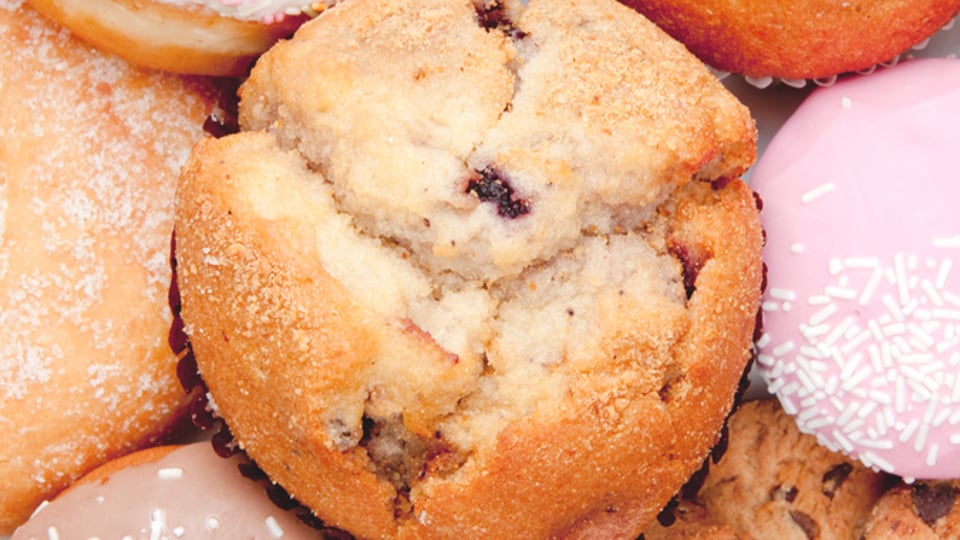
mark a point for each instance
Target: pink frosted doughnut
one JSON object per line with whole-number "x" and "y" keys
{"x": 862, "y": 309}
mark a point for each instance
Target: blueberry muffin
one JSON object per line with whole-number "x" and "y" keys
{"x": 475, "y": 269}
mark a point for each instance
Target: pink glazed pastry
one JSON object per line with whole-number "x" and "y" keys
{"x": 862, "y": 309}
{"x": 166, "y": 493}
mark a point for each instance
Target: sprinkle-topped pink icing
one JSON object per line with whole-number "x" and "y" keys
{"x": 862, "y": 308}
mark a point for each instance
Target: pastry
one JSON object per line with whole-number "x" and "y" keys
{"x": 91, "y": 152}
{"x": 207, "y": 37}
{"x": 862, "y": 308}
{"x": 183, "y": 491}
{"x": 775, "y": 482}
{"x": 807, "y": 39}
{"x": 475, "y": 269}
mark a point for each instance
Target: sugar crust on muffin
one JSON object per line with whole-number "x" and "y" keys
{"x": 475, "y": 268}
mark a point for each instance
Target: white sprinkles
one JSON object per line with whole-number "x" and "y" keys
{"x": 895, "y": 376}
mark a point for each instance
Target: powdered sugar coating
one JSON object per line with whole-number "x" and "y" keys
{"x": 86, "y": 192}
{"x": 862, "y": 311}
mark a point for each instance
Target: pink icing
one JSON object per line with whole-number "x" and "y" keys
{"x": 189, "y": 493}
{"x": 862, "y": 311}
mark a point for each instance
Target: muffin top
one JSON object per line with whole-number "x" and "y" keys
{"x": 489, "y": 143}
{"x": 471, "y": 268}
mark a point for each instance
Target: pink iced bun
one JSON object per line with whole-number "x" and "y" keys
{"x": 167, "y": 492}
{"x": 206, "y": 37}
{"x": 862, "y": 309}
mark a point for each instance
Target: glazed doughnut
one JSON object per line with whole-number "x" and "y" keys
{"x": 790, "y": 39}
{"x": 491, "y": 272}
{"x": 862, "y": 312}
{"x": 167, "y": 492}
{"x": 207, "y": 37}
{"x": 88, "y": 166}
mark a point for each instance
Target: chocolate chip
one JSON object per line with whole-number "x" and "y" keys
{"x": 933, "y": 502}
{"x": 780, "y": 493}
{"x": 834, "y": 478}
{"x": 806, "y": 523}
{"x": 490, "y": 185}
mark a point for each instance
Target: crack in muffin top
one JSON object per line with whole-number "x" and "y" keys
{"x": 401, "y": 112}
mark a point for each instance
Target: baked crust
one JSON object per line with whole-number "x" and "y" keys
{"x": 88, "y": 165}
{"x": 564, "y": 391}
{"x": 811, "y": 39}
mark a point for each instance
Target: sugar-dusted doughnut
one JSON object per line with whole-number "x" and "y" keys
{"x": 184, "y": 491}
{"x": 208, "y": 37}
{"x": 862, "y": 312}
{"x": 798, "y": 39}
{"x": 476, "y": 270}
{"x": 91, "y": 148}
